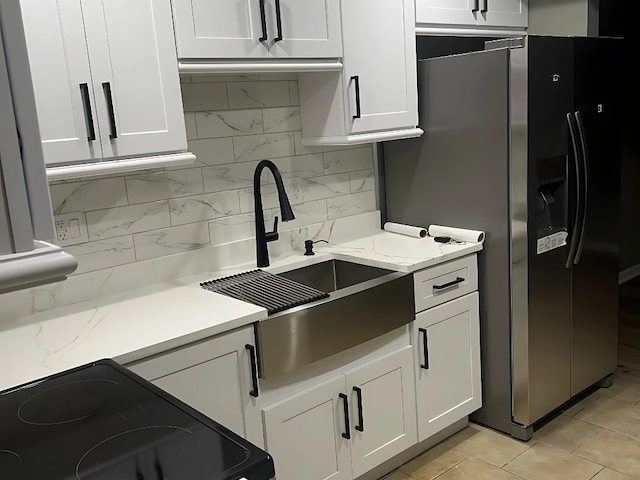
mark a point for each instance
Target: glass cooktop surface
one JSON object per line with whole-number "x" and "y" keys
{"x": 102, "y": 422}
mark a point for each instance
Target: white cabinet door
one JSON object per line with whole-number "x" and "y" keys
{"x": 447, "y": 361}
{"x": 215, "y": 378}
{"x": 62, "y": 83}
{"x": 379, "y": 64}
{"x": 219, "y": 29}
{"x": 383, "y": 409}
{"x": 304, "y": 434}
{"x": 304, "y": 28}
{"x": 451, "y": 12}
{"x": 504, "y": 13}
{"x": 135, "y": 76}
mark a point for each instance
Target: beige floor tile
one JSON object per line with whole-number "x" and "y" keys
{"x": 397, "y": 475}
{"x": 566, "y": 432}
{"x": 614, "y": 415}
{"x": 542, "y": 462}
{"x": 614, "y": 450}
{"x": 492, "y": 447}
{"x": 625, "y": 388}
{"x": 434, "y": 461}
{"x": 475, "y": 469}
{"x": 608, "y": 474}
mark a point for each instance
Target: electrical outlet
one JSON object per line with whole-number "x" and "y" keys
{"x": 71, "y": 228}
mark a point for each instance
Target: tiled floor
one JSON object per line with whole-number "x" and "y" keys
{"x": 597, "y": 438}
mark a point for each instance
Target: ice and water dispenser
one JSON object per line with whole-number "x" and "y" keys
{"x": 551, "y": 202}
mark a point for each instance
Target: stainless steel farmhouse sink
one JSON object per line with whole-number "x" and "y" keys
{"x": 363, "y": 303}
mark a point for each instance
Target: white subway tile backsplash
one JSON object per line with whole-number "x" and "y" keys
{"x": 106, "y": 253}
{"x": 326, "y": 186}
{"x": 171, "y": 240}
{"x": 197, "y": 97}
{"x": 115, "y": 222}
{"x": 236, "y": 227}
{"x": 230, "y": 176}
{"x": 190, "y": 125}
{"x": 352, "y": 204}
{"x": 294, "y": 94}
{"x": 258, "y": 94}
{"x": 204, "y": 207}
{"x": 348, "y": 160}
{"x": 269, "y": 195}
{"x": 89, "y": 195}
{"x": 211, "y": 151}
{"x": 362, "y": 181}
{"x": 229, "y": 123}
{"x": 279, "y": 76}
{"x": 260, "y": 147}
{"x": 299, "y": 166}
{"x": 282, "y": 119}
{"x": 306, "y": 213}
{"x": 163, "y": 185}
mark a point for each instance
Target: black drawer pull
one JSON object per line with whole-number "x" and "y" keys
{"x": 263, "y": 22}
{"x": 278, "y": 22}
{"x": 449, "y": 284}
{"x": 254, "y": 370}
{"x": 360, "y": 426}
{"x": 86, "y": 102}
{"x": 425, "y": 348}
{"x": 485, "y": 9}
{"x": 347, "y": 428}
{"x": 108, "y": 95}
{"x": 356, "y": 80}
{"x": 476, "y": 6}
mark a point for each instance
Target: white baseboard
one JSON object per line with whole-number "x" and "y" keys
{"x": 628, "y": 274}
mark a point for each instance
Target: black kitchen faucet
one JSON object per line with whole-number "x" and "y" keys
{"x": 262, "y": 237}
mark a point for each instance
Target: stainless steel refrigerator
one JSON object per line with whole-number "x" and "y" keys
{"x": 521, "y": 141}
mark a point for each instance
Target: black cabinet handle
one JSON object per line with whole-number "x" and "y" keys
{"x": 356, "y": 81}
{"x": 263, "y": 22}
{"x": 254, "y": 370}
{"x": 360, "y": 426}
{"x": 425, "y": 348}
{"x": 278, "y": 22}
{"x": 86, "y": 102}
{"x": 485, "y": 9}
{"x": 476, "y": 6}
{"x": 347, "y": 428}
{"x": 449, "y": 284}
{"x": 108, "y": 95}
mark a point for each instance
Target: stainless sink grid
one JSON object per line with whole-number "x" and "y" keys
{"x": 265, "y": 289}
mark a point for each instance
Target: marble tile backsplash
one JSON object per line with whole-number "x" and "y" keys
{"x": 233, "y": 122}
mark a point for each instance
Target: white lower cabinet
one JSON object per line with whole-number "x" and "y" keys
{"x": 216, "y": 377}
{"x": 447, "y": 363}
{"x": 347, "y": 425}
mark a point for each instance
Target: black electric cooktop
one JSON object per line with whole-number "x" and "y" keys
{"x": 102, "y": 422}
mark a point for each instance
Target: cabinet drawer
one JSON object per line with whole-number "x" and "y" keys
{"x": 445, "y": 282}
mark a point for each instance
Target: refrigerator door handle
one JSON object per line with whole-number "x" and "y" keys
{"x": 585, "y": 176}
{"x": 576, "y": 219}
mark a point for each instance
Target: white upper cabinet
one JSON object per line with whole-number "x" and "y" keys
{"x": 241, "y": 29}
{"x": 105, "y": 78}
{"x": 473, "y": 13}
{"x": 375, "y": 96}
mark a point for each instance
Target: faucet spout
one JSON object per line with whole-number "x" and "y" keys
{"x": 262, "y": 237}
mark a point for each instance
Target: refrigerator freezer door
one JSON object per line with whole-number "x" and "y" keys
{"x": 595, "y": 273}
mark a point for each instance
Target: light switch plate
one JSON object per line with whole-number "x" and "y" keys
{"x": 71, "y": 228}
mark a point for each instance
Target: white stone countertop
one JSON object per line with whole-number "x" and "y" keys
{"x": 133, "y": 325}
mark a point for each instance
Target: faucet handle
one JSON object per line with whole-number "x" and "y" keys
{"x": 273, "y": 235}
